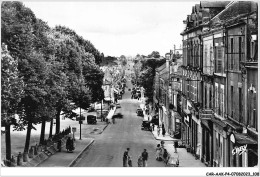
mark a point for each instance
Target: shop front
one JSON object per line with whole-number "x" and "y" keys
{"x": 186, "y": 129}
{"x": 219, "y": 143}
{"x": 243, "y": 150}
{"x": 207, "y": 144}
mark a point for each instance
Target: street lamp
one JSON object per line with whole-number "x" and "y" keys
{"x": 80, "y": 118}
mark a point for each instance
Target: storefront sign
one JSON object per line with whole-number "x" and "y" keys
{"x": 74, "y": 129}
{"x": 232, "y": 138}
{"x": 239, "y": 150}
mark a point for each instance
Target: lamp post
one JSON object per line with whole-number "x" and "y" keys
{"x": 80, "y": 119}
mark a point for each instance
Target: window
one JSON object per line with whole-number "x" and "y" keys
{"x": 188, "y": 88}
{"x": 195, "y": 91}
{"x": 240, "y": 104}
{"x": 216, "y": 99}
{"x": 240, "y": 51}
{"x": 205, "y": 58}
{"x": 231, "y": 54}
{"x": 232, "y": 92}
{"x": 219, "y": 58}
{"x": 221, "y": 101}
{"x": 205, "y": 98}
{"x": 210, "y": 97}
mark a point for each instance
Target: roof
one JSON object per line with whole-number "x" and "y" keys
{"x": 235, "y": 9}
{"x": 213, "y": 4}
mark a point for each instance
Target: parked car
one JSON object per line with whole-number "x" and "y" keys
{"x": 91, "y": 109}
{"x": 139, "y": 112}
{"x": 155, "y": 120}
{"x": 118, "y": 116}
{"x": 91, "y": 119}
{"x": 146, "y": 125}
{"x": 118, "y": 105}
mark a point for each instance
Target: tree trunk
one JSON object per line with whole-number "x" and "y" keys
{"x": 58, "y": 120}
{"x": 8, "y": 143}
{"x": 51, "y": 124}
{"x": 28, "y": 136}
{"x": 42, "y": 132}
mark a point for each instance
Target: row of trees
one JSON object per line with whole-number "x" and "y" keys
{"x": 147, "y": 66}
{"x": 44, "y": 70}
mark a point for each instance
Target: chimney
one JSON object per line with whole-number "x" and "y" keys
{"x": 167, "y": 56}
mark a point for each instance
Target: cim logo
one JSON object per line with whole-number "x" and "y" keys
{"x": 239, "y": 150}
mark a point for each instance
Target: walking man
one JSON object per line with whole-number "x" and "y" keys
{"x": 145, "y": 158}
{"x": 125, "y": 157}
{"x": 175, "y": 146}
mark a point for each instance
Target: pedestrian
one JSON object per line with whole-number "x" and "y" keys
{"x": 140, "y": 161}
{"x": 162, "y": 144}
{"x": 163, "y": 131}
{"x": 158, "y": 150}
{"x": 165, "y": 156}
{"x": 175, "y": 146}
{"x": 158, "y": 130}
{"x": 125, "y": 157}
{"x": 130, "y": 161}
{"x": 145, "y": 157}
{"x": 69, "y": 144}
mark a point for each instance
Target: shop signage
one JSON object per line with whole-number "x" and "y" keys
{"x": 74, "y": 129}
{"x": 232, "y": 138}
{"x": 187, "y": 119}
{"x": 239, "y": 150}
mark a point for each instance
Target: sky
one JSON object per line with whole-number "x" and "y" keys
{"x": 118, "y": 28}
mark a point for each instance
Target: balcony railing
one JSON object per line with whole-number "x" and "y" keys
{"x": 206, "y": 113}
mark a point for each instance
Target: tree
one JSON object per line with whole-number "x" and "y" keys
{"x": 147, "y": 75}
{"x": 12, "y": 92}
{"x": 154, "y": 54}
{"x": 20, "y": 34}
{"x": 123, "y": 60}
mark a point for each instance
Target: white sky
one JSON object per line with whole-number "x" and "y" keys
{"x": 120, "y": 28}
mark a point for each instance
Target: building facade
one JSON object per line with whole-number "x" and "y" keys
{"x": 219, "y": 83}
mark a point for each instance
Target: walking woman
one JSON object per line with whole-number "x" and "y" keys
{"x": 158, "y": 150}
{"x": 165, "y": 156}
{"x": 140, "y": 161}
{"x": 158, "y": 130}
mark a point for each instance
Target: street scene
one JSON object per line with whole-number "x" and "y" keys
{"x": 102, "y": 94}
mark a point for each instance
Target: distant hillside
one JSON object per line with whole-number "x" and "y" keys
{"x": 109, "y": 61}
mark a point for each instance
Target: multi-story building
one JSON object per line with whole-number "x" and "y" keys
{"x": 227, "y": 98}
{"x": 162, "y": 73}
{"x": 175, "y": 90}
{"x": 197, "y": 74}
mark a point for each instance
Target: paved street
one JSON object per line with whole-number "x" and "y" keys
{"x": 108, "y": 148}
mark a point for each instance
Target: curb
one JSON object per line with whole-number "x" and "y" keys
{"x": 103, "y": 129}
{"x": 75, "y": 160}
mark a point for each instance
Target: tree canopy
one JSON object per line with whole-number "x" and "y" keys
{"x": 52, "y": 67}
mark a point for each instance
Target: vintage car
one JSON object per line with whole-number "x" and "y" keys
{"x": 139, "y": 112}
{"x": 91, "y": 119}
{"x": 146, "y": 125}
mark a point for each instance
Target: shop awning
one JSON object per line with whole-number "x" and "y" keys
{"x": 164, "y": 110}
{"x": 206, "y": 123}
{"x": 116, "y": 91}
{"x": 186, "y": 111}
{"x": 243, "y": 138}
{"x": 234, "y": 126}
{"x": 177, "y": 116}
{"x": 219, "y": 122}
{"x": 107, "y": 99}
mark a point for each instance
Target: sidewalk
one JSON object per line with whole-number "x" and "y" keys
{"x": 186, "y": 159}
{"x": 66, "y": 159}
